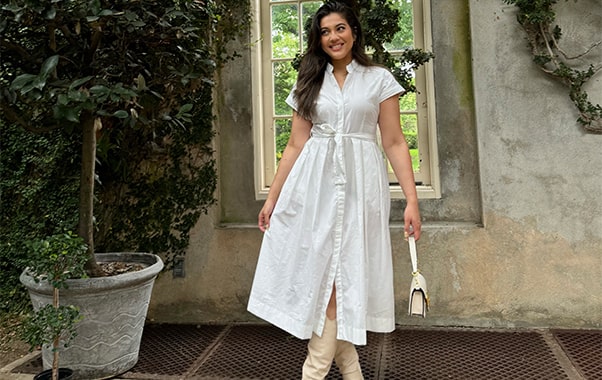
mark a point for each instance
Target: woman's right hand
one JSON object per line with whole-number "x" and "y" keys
{"x": 263, "y": 220}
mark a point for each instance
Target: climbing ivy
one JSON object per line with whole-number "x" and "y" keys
{"x": 537, "y": 17}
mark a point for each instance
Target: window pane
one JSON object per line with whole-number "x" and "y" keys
{"x": 285, "y": 33}
{"x": 283, "y": 132}
{"x": 408, "y": 102}
{"x": 307, "y": 11}
{"x": 284, "y": 79}
{"x": 403, "y": 39}
{"x": 409, "y": 124}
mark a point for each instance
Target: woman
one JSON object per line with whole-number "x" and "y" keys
{"x": 325, "y": 267}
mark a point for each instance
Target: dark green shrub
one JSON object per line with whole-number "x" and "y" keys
{"x": 38, "y": 196}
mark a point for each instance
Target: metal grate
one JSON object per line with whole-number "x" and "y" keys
{"x": 584, "y": 349}
{"x": 265, "y": 352}
{"x": 468, "y": 355}
{"x": 369, "y": 359}
{"x": 173, "y": 349}
{"x": 261, "y": 352}
{"x": 255, "y": 352}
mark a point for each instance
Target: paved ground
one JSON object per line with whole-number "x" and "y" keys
{"x": 250, "y": 351}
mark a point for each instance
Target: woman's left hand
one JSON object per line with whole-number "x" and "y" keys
{"x": 412, "y": 223}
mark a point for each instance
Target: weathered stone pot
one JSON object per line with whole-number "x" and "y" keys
{"x": 114, "y": 311}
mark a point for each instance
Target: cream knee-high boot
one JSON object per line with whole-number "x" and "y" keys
{"x": 320, "y": 352}
{"x": 348, "y": 362}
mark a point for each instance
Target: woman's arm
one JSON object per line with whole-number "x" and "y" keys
{"x": 396, "y": 149}
{"x": 300, "y": 130}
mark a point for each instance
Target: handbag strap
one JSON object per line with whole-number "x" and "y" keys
{"x": 413, "y": 256}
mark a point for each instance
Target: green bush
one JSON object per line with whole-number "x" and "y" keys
{"x": 38, "y": 196}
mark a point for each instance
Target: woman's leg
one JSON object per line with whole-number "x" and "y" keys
{"x": 345, "y": 355}
{"x": 348, "y": 361}
{"x": 321, "y": 349}
{"x": 331, "y": 309}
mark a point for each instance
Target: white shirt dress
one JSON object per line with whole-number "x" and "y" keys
{"x": 330, "y": 224}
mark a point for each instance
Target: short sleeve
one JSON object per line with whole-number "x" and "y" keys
{"x": 290, "y": 99}
{"x": 389, "y": 86}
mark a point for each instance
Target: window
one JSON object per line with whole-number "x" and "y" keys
{"x": 278, "y": 35}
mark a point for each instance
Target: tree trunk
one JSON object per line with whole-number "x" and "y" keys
{"x": 86, "y": 191}
{"x": 55, "y": 342}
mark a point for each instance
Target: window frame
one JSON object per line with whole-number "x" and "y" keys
{"x": 428, "y": 181}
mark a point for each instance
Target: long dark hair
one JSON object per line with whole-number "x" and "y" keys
{"x": 313, "y": 64}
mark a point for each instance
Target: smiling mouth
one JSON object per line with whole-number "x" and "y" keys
{"x": 336, "y": 47}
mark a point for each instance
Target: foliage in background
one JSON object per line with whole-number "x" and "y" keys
{"x": 379, "y": 19}
{"x": 537, "y": 19}
{"x": 152, "y": 204}
{"x": 141, "y": 73}
{"x": 38, "y": 197}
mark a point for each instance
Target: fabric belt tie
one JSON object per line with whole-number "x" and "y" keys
{"x": 326, "y": 131}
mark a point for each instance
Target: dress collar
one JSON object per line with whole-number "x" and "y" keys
{"x": 350, "y": 67}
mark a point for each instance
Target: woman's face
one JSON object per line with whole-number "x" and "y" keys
{"x": 336, "y": 38}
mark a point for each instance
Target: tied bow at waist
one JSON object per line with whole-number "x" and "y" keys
{"x": 326, "y": 131}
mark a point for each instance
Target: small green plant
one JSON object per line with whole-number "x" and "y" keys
{"x": 54, "y": 259}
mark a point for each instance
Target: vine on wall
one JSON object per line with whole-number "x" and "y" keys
{"x": 537, "y": 19}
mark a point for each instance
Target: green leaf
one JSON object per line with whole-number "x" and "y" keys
{"x": 71, "y": 114}
{"x": 49, "y": 65}
{"x": 21, "y": 81}
{"x": 50, "y": 14}
{"x": 186, "y": 108}
{"x": 141, "y": 82}
{"x": 39, "y": 82}
{"x": 121, "y": 114}
{"x": 79, "y": 82}
{"x": 99, "y": 90}
{"x": 62, "y": 99}
{"x": 77, "y": 96}
{"x": 66, "y": 112}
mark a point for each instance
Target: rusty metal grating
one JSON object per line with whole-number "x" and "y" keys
{"x": 261, "y": 352}
{"x": 584, "y": 349}
{"x": 468, "y": 355}
{"x": 266, "y": 352}
{"x": 369, "y": 359}
{"x": 255, "y": 351}
{"x": 173, "y": 349}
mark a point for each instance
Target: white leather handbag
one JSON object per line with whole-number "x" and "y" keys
{"x": 419, "y": 297}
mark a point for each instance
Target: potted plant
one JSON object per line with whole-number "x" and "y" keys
{"x": 54, "y": 260}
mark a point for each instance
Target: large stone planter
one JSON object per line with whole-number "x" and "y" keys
{"x": 114, "y": 311}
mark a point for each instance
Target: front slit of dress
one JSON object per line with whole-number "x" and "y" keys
{"x": 340, "y": 183}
